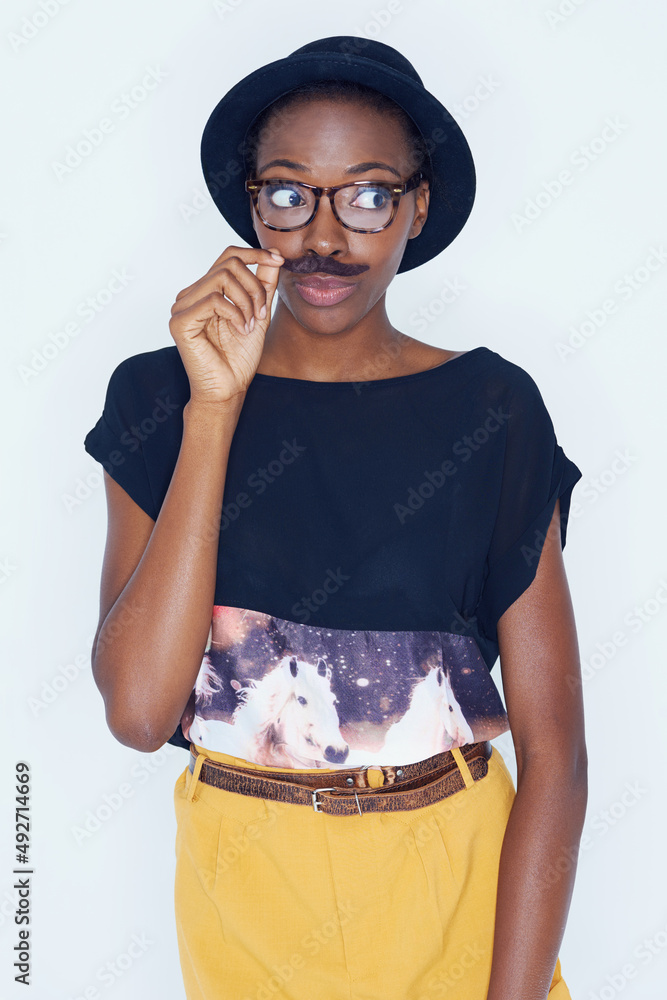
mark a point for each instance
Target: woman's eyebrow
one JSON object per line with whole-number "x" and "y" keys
{"x": 360, "y": 168}
{"x": 282, "y": 162}
{"x": 357, "y": 168}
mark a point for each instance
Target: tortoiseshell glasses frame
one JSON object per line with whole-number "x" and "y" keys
{"x": 253, "y": 187}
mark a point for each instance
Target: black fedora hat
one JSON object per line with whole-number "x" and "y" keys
{"x": 365, "y": 61}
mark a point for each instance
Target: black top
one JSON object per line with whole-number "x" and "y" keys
{"x": 372, "y": 535}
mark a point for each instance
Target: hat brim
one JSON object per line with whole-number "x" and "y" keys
{"x": 222, "y": 144}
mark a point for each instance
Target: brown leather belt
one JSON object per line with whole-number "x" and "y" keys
{"x": 407, "y": 786}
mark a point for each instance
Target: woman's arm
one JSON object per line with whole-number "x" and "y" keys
{"x": 159, "y": 578}
{"x": 158, "y": 585}
{"x": 541, "y": 674}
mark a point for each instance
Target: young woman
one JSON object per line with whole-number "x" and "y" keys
{"x": 322, "y": 533}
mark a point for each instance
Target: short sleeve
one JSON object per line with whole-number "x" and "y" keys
{"x": 535, "y": 473}
{"x": 115, "y": 440}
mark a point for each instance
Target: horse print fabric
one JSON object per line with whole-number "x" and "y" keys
{"x": 280, "y": 693}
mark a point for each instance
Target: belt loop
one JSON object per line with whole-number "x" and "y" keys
{"x": 194, "y": 775}
{"x": 463, "y": 767}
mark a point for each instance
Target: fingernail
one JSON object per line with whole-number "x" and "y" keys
{"x": 246, "y": 328}
{"x": 262, "y": 312}
{"x": 277, "y": 256}
{"x": 252, "y": 322}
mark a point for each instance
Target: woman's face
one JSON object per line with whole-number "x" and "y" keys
{"x": 326, "y": 139}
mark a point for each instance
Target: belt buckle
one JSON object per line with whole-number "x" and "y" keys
{"x": 317, "y": 805}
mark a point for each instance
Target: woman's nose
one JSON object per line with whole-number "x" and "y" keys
{"x": 324, "y": 233}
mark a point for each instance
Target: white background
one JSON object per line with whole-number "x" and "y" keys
{"x": 556, "y": 78}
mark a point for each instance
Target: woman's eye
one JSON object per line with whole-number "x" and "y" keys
{"x": 285, "y": 197}
{"x": 376, "y": 197}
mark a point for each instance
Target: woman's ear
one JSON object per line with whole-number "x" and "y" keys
{"x": 421, "y": 209}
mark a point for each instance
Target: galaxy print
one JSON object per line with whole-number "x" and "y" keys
{"x": 283, "y": 694}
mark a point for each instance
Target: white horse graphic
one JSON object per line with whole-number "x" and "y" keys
{"x": 432, "y": 723}
{"x": 207, "y": 682}
{"x": 286, "y": 719}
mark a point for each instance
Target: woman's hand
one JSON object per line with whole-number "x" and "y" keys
{"x": 208, "y": 322}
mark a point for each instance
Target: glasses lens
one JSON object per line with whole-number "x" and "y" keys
{"x": 364, "y": 207}
{"x": 284, "y": 204}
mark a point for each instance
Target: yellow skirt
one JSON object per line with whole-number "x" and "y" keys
{"x": 274, "y": 900}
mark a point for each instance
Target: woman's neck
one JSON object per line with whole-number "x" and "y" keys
{"x": 372, "y": 349}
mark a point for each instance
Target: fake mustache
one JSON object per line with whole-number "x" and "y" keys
{"x": 328, "y": 265}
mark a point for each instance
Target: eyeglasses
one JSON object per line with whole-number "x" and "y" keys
{"x": 362, "y": 206}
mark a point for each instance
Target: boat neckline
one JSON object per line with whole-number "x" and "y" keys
{"x": 395, "y": 379}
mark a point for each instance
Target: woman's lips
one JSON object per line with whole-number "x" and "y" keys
{"x": 318, "y": 291}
